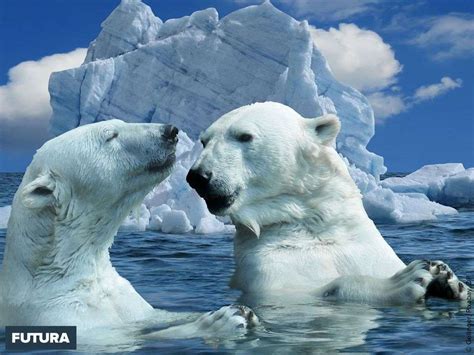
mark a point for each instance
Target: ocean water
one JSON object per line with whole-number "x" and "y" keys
{"x": 191, "y": 273}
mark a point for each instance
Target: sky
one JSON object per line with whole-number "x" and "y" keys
{"x": 414, "y": 60}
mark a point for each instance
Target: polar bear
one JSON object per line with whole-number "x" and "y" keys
{"x": 300, "y": 223}
{"x": 74, "y": 195}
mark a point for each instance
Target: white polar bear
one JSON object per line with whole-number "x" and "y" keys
{"x": 300, "y": 223}
{"x": 78, "y": 189}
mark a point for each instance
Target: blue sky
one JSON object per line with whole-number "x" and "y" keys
{"x": 401, "y": 51}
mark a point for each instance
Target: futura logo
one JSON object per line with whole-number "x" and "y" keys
{"x": 40, "y": 338}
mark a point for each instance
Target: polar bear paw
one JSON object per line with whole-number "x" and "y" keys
{"x": 419, "y": 280}
{"x": 445, "y": 283}
{"x": 226, "y": 322}
{"x": 424, "y": 279}
{"x": 411, "y": 283}
{"x": 227, "y": 318}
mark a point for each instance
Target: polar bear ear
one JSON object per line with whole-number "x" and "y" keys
{"x": 40, "y": 192}
{"x": 326, "y": 128}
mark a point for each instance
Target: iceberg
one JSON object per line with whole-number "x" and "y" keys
{"x": 191, "y": 70}
{"x": 137, "y": 221}
{"x": 175, "y": 222}
{"x": 4, "y": 216}
{"x": 130, "y": 25}
{"x": 458, "y": 189}
{"x": 385, "y": 205}
{"x": 209, "y": 225}
{"x": 448, "y": 184}
{"x": 429, "y": 180}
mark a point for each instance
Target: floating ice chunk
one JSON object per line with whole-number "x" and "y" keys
{"x": 137, "y": 220}
{"x": 229, "y": 228}
{"x": 158, "y": 211}
{"x": 156, "y": 216}
{"x": 4, "y": 215}
{"x": 175, "y": 222}
{"x": 459, "y": 189}
{"x": 132, "y": 225}
{"x": 414, "y": 195}
{"x": 385, "y": 206}
{"x": 193, "y": 205}
{"x": 208, "y": 225}
{"x": 447, "y": 184}
{"x": 155, "y": 223}
{"x": 428, "y": 180}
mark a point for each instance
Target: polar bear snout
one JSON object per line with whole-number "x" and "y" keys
{"x": 214, "y": 192}
{"x": 199, "y": 180}
{"x": 167, "y": 141}
{"x": 170, "y": 133}
{"x": 155, "y": 146}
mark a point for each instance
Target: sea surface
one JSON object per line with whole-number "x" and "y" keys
{"x": 191, "y": 273}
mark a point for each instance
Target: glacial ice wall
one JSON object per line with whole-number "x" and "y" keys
{"x": 131, "y": 24}
{"x": 191, "y": 70}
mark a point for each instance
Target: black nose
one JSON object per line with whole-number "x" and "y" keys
{"x": 170, "y": 132}
{"x": 198, "y": 179}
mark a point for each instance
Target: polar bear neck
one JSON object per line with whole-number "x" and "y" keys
{"x": 72, "y": 246}
{"x": 312, "y": 216}
{"x": 310, "y": 239}
{"x": 313, "y": 207}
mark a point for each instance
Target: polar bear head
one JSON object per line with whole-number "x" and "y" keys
{"x": 79, "y": 188}
{"x": 99, "y": 163}
{"x": 261, "y": 163}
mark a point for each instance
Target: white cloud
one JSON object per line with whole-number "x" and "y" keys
{"x": 386, "y": 105}
{"x": 449, "y": 36}
{"x": 24, "y": 100}
{"x": 361, "y": 59}
{"x": 358, "y": 57}
{"x": 429, "y": 92}
{"x": 26, "y": 93}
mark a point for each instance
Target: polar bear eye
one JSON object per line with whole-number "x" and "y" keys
{"x": 110, "y": 134}
{"x": 203, "y": 143}
{"x": 244, "y": 137}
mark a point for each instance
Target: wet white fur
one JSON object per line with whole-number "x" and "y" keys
{"x": 301, "y": 225}
{"x": 75, "y": 194}
{"x": 56, "y": 268}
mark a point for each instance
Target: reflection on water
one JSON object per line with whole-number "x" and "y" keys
{"x": 191, "y": 273}
{"x": 312, "y": 324}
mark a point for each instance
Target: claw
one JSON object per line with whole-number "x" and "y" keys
{"x": 249, "y": 315}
